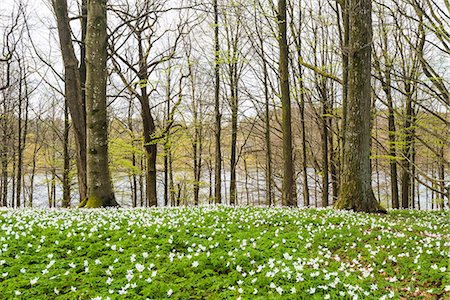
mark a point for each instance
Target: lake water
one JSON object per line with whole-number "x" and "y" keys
{"x": 250, "y": 189}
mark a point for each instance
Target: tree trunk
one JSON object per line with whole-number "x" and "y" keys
{"x": 100, "y": 192}
{"x": 324, "y": 136}
{"x": 356, "y": 191}
{"x": 198, "y": 140}
{"x": 441, "y": 172}
{"x": 234, "y": 128}
{"x": 167, "y": 140}
{"x": 288, "y": 187}
{"x": 150, "y": 151}
{"x": 345, "y": 75}
{"x": 406, "y": 151}
{"x": 267, "y": 139}
{"x": 150, "y": 145}
{"x": 20, "y": 137}
{"x": 66, "y": 168}
{"x": 218, "y": 116}
{"x": 301, "y": 104}
{"x": 133, "y": 179}
{"x": 4, "y": 180}
{"x": 267, "y": 127}
{"x": 73, "y": 90}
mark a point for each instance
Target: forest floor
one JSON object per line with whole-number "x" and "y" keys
{"x": 223, "y": 253}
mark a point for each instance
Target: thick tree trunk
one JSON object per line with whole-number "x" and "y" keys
{"x": 288, "y": 188}
{"x": 100, "y": 192}
{"x": 356, "y": 184}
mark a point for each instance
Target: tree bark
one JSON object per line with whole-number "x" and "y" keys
{"x": 267, "y": 139}
{"x": 100, "y": 192}
{"x": 73, "y": 91}
{"x": 324, "y": 136}
{"x": 234, "y": 126}
{"x": 21, "y": 136}
{"x": 356, "y": 191}
{"x": 288, "y": 186}
{"x": 218, "y": 116}
{"x": 66, "y": 168}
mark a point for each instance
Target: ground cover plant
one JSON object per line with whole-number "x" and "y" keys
{"x": 223, "y": 253}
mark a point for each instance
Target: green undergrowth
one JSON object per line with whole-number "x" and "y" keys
{"x": 223, "y": 253}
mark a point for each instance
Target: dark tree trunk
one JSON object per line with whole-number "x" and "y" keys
{"x": 267, "y": 139}
{"x": 407, "y": 150}
{"x": 150, "y": 150}
{"x": 66, "y": 168}
{"x": 301, "y": 104}
{"x": 234, "y": 126}
{"x": 324, "y": 136}
{"x": 288, "y": 188}
{"x": 441, "y": 171}
{"x": 150, "y": 144}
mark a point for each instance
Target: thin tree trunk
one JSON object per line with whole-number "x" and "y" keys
{"x": 324, "y": 136}
{"x": 218, "y": 116}
{"x": 234, "y": 125}
{"x": 4, "y": 179}
{"x": 441, "y": 171}
{"x": 392, "y": 145}
{"x": 288, "y": 188}
{"x": 334, "y": 158}
{"x": 197, "y": 144}
{"x": 73, "y": 90}
{"x": 20, "y": 137}
{"x": 167, "y": 147}
{"x": 406, "y": 151}
{"x": 345, "y": 74}
{"x": 141, "y": 183}
{"x": 66, "y": 168}
{"x": 133, "y": 178}
{"x": 267, "y": 139}
{"x": 150, "y": 145}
